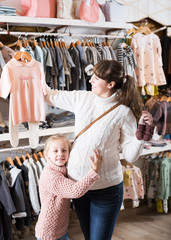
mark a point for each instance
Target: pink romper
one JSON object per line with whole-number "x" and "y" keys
{"x": 25, "y": 82}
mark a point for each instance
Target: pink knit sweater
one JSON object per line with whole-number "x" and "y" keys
{"x": 55, "y": 193}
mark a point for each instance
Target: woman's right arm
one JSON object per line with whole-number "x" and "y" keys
{"x": 68, "y": 100}
{"x": 62, "y": 99}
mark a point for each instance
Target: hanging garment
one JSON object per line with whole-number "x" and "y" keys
{"x": 147, "y": 51}
{"x": 39, "y": 168}
{"x": 164, "y": 190}
{"x": 166, "y": 55}
{"x": 112, "y": 53}
{"x": 54, "y": 70}
{"x": 38, "y": 53}
{"x": 6, "y": 54}
{"x": 27, "y": 220}
{"x": 133, "y": 184}
{"x": 42, "y": 161}
{"x": 68, "y": 65}
{"x": 34, "y": 167}
{"x": 32, "y": 188}
{"x": 26, "y": 84}
{"x": 75, "y": 72}
{"x": 83, "y": 63}
{"x": 29, "y": 50}
{"x": 2, "y": 63}
{"x": 18, "y": 193}
{"x": 162, "y": 117}
{"x": 48, "y": 67}
{"x": 7, "y": 208}
{"x": 59, "y": 60}
{"x": 125, "y": 56}
{"x": 16, "y": 184}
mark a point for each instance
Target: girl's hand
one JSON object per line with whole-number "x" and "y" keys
{"x": 146, "y": 118}
{"x": 96, "y": 161}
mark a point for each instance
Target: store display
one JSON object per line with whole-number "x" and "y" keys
{"x": 89, "y": 11}
{"x": 38, "y": 8}
{"x": 114, "y": 11}
{"x": 67, "y": 64}
{"x": 67, "y": 8}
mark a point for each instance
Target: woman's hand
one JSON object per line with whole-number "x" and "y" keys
{"x": 96, "y": 161}
{"x": 146, "y": 118}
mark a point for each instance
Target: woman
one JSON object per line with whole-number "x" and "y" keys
{"x": 98, "y": 209}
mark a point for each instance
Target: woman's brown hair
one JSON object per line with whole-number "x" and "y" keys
{"x": 111, "y": 70}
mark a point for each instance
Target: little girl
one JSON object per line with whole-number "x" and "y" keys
{"x": 56, "y": 189}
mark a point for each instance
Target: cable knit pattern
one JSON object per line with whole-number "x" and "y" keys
{"x": 55, "y": 193}
{"x": 112, "y": 133}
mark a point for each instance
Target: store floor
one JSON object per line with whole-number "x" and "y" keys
{"x": 133, "y": 224}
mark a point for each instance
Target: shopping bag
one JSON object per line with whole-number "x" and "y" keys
{"x": 38, "y": 8}
{"x": 114, "y": 11}
{"x": 89, "y": 11}
{"x": 66, "y": 8}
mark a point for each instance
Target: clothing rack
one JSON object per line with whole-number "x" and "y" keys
{"x": 37, "y": 34}
{"x": 160, "y": 29}
{"x": 19, "y": 148}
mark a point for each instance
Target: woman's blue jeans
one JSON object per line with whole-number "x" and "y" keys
{"x": 98, "y": 210}
{"x": 64, "y": 237}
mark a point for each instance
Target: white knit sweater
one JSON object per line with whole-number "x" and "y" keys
{"x": 112, "y": 133}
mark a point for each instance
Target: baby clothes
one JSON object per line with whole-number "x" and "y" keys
{"x": 133, "y": 184}
{"x": 26, "y": 84}
{"x": 147, "y": 51}
{"x": 145, "y": 132}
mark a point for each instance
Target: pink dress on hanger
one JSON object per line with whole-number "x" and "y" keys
{"x": 147, "y": 50}
{"x": 25, "y": 82}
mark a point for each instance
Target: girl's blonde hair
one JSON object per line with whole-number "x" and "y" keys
{"x": 55, "y": 137}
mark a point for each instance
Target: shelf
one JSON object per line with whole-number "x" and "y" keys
{"x": 54, "y": 22}
{"x": 70, "y": 129}
{"x": 152, "y": 150}
{"x": 44, "y": 132}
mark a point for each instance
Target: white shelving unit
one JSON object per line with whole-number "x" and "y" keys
{"x": 57, "y": 22}
{"x": 44, "y": 132}
{"x": 152, "y": 150}
{"x": 60, "y": 23}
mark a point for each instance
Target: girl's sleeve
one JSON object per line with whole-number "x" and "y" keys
{"x": 130, "y": 145}
{"x": 5, "y": 83}
{"x": 67, "y": 188}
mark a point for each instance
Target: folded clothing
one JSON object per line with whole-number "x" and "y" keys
{"x": 4, "y": 129}
{"x": 59, "y": 120}
{"x": 6, "y": 10}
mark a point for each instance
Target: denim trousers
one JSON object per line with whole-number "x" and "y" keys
{"x": 98, "y": 210}
{"x": 64, "y": 237}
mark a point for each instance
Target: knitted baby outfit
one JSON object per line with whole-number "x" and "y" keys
{"x": 145, "y": 132}
{"x": 25, "y": 82}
